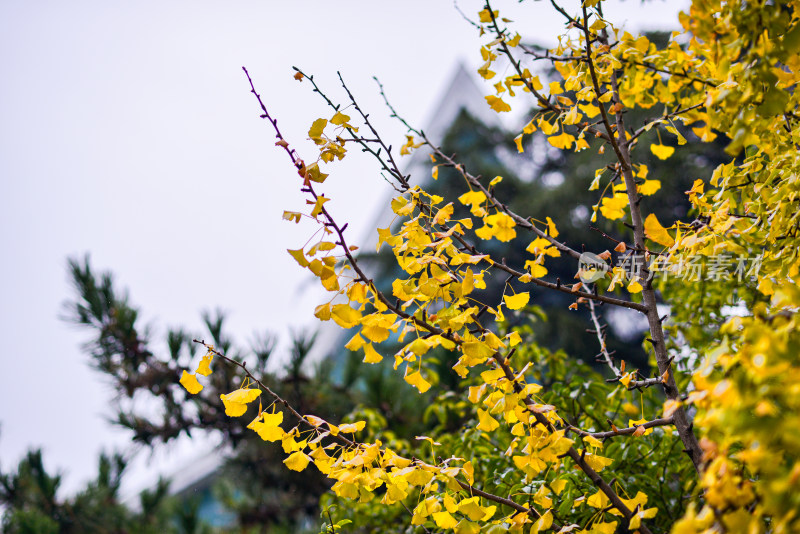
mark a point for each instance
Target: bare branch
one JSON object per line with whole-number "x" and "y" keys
{"x": 601, "y": 338}
{"x": 395, "y": 170}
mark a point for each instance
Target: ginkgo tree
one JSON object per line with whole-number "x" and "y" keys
{"x": 713, "y": 444}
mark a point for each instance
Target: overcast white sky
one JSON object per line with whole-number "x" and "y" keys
{"x": 127, "y": 131}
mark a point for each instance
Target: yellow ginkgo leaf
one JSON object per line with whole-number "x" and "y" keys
{"x": 597, "y": 500}
{"x": 236, "y": 401}
{"x": 671, "y": 129}
{"x": 467, "y": 527}
{"x": 315, "y": 421}
{"x": 551, "y": 227}
{"x": 518, "y": 301}
{"x": 234, "y": 409}
{"x": 546, "y": 127}
{"x": 591, "y": 440}
{"x": 318, "y": 205}
{"x": 649, "y": 187}
{"x": 371, "y": 355}
{"x": 345, "y": 316}
{"x": 605, "y": 527}
{"x": 598, "y": 463}
{"x": 204, "y": 367}
{"x": 355, "y": 343}
{"x": 486, "y": 16}
{"x": 313, "y": 173}
{"x": 243, "y": 395}
{"x": 266, "y": 425}
{"x": 444, "y": 520}
{"x": 613, "y": 208}
{"x": 299, "y": 257}
{"x": 497, "y": 104}
{"x": 656, "y": 232}
{"x": 350, "y": 428}
{"x": 485, "y": 72}
{"x": 487, "y": 423}
{"x": 518, "y": 141}
{"x": 292, "y": 216}
{"x": 472, "y": 509}
{"x": 323, "y": 312}
{"x": 563, "y": 140}
{"x": 272, "y": 419}
{"x": 419, "y": 346}
{"x": 530, "y": 127}
{"x": 340, "y": 118}
{"x": 536, "y": 269}
{"x": 315, "y": 132}
{"x": 189, "y": 381}
{"x": 297, "y": 461}
{"x": 416, "y": 380}
{"x": 269, "y": 433}
{"x": 472, "y": 198}
{"x": 538, "y": 245}
{"x": 543, "y": 523}
{"x": 589, "y": 109}
{"x": 662, "y": 151}
{"x": 634, "y": 286}
{"x": 476, "y": 349}
{"x": 572, "y": 116}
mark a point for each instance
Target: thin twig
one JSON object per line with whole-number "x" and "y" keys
{"x": 665, "y": 421}
{"x": 601, "y": 338}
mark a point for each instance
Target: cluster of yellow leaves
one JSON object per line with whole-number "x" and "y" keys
{"x": 752, "y": 415}
{"x": 331, "y": 146}
{"x": 746, "y": 392}
{"x": 236, "y": 402}
{"x": 189, "y": 380}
